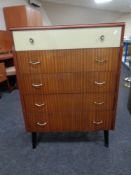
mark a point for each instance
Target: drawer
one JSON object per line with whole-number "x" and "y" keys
{"x": 102, "y": 37}
{"x": 67, "y": 82}
{"x": 68, "y": 102}
{"x": 70, "y": 121}
{"x": 63, "y": 61}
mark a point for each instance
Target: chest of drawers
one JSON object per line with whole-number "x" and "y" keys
{"x": 68, "y": 77}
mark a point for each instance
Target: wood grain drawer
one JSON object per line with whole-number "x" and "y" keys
{"x": 57, "y": 39}
{"x": 81, "y": 60}
{"x": 67, "y": 82}
{"x": 70, "y": 121}
{"x": 68, "y": 102}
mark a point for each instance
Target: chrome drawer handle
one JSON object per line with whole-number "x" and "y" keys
{"x": 100, "y": 61}
{"x": 37, "y": 85}
{"x": 31, "y": 40}
{"x": 41, "y": 124}
{"x": 39, "y": 105}
{"x": 34, "y": 63}
{"x": 98, "y": 103}
{"x": 97, "y": 123}
{"x": 100, "y": 83}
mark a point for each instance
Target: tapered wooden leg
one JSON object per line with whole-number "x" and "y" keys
{"x": 9, "y": 86}
{"x": 34, "y": 140}
{"x": 106, "y": 138}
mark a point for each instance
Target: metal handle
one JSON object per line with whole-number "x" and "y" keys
{"x": 98, "y": 103}
{"x": 34, "y": 63}
{"x": 97, "y": 123}
{"x": 39, "y": 105}
{"x": 31, "y": 40}
{"x": 102, "y": 37}
{"x": 37, "y": 85}
{"x": 41, "y": 124}
{"x": 100, "y": 61}
{"x": 100, "y": 83}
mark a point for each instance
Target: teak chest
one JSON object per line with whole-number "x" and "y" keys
{"x": 68, "y": 77}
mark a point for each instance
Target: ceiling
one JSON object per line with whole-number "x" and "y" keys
{"x": 116, "y": 5}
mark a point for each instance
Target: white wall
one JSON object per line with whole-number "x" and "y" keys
{"x": 67, "y": 14}
{"x": 127, "y": 20}
{"x": 58, "y": 14}
{"x": 5, "y": 3}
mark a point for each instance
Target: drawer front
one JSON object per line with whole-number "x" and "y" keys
{"x": 67, "y": 38}
{"x": 70, "y": 121}
{"x": 68, "y": 82}
{"x": 68, "y": 102}
{"x": 62, "y": 61}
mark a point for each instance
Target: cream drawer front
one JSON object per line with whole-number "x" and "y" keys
{"x": 67, "y": 38}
